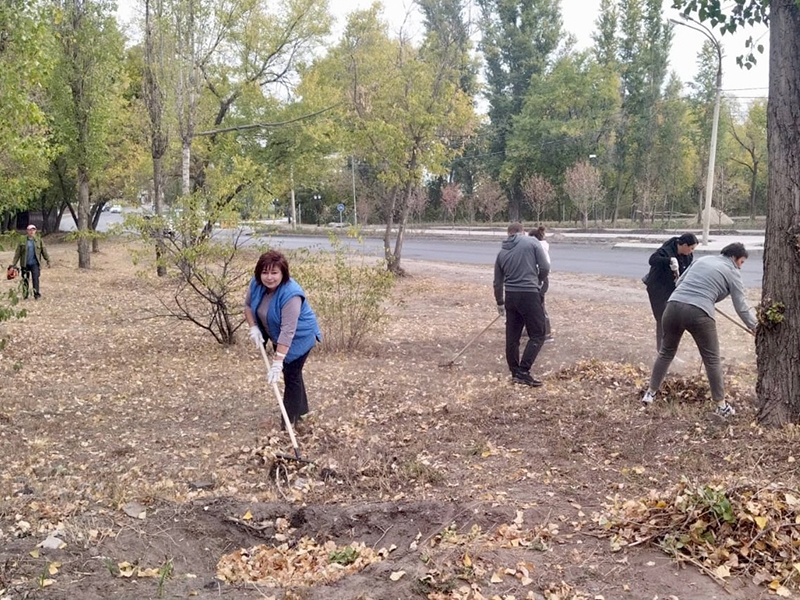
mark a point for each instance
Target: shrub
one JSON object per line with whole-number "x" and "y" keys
{"x": 346, "y": 291}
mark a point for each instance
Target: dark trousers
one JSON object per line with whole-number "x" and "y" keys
{"x": 30, "y": 272}
{"x": 295, "y": 399}
{"x": 523, "y": 309}
{"x": 679, "y": 317}
{"x": 658, "y": 303}
{"x": 542, "y": 292}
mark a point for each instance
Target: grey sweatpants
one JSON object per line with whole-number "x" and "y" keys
{"x": 679, "y": 317}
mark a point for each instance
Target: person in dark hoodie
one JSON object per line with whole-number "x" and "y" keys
{"x": 519, "y": 271}
{"x": 666, "y": 265}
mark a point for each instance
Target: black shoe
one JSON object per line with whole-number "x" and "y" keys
{"x": 37, "y": 296}
{"x": 525, "y": 379}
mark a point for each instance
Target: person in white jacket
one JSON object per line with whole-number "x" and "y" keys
{"x": 539, "y": 234}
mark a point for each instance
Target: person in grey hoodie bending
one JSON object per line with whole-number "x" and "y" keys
{"x": 519, "y": 270}
{"x": 691, "y": 308}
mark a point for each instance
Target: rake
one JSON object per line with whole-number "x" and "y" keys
{"x": 472, "y": 341}
{"x": 287, "y": 422}
{"x": 735, "y": 322}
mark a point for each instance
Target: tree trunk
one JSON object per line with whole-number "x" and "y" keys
{"x": 753, "y": 183}
{"x": 95, "y": 214}
{"x": 158, "y": 186}
{"x": 401, "y": 229}
{"x": 186, "y": 159}
{"x": 778, "y": 343}
{"x": 391, "y": 201}
{"x": 84, "y": 255}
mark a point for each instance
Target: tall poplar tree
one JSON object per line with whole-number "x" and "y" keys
{"x": 91, "y": 50}
{"x": 518, "y": 40}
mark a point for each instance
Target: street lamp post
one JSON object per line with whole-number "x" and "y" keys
{"x": 712, "y": 152}
{"x": 316, "y": 198}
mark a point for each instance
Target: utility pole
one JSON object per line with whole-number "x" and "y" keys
{"x": 355, "y": 208}
{"x": 291, "y": 177}
{"x": 712, "y": 152}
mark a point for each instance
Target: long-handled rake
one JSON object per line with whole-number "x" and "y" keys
{"x": 735, "y": 322}
{"x": 450, "y": 362}
{"x": 287, "y": 422}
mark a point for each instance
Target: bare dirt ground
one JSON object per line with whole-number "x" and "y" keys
{"x": 144, "y": 452}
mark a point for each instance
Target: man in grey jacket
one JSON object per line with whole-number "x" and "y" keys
{"x": 691, "y": 308}
{"x": 520, "y": 268}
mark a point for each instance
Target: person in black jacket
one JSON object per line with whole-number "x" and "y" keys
{"x": 666, "y": 265}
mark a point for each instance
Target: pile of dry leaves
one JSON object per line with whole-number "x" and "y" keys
{"x": 303, "y": 564}
{"x": 735, "y": 531}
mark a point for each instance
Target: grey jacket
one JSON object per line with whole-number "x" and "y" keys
{"x": 521, "y": 266}
{"x": 707, "y": 281}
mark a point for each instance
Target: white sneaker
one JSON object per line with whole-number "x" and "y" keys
{"x": 648, "y": 398}
{"x": 725, "y": 410}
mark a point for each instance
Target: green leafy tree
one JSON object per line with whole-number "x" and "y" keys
{"x": 569, "y": 113}
{"x": 86, "y": 84}
{"x": 26, "y": 60}
{"x": 751, "y": 137}
{"x": 402, "y": 108}
{"x": 673, "y": 154}
{"x": 605, "y": 36}
{"x": 643, "y": 54}
{"x": 518, "y": 40}
{"x": 778, "y": 336}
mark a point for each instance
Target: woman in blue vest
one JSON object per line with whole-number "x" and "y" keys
{"x": 275, "y": 307}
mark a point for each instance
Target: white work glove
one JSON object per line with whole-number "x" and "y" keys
{"x": 673, "y": 264}
{"x": 274, "y": 373}
{"x": 256, "y": 335}
{"x": 501, "y": 310}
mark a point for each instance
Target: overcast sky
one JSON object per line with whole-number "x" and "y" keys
{"x": 579, "y": 17}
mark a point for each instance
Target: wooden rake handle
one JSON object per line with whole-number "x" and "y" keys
{"x": 472, "y": 341}
{"x": 735, "y": 322}
{"x": 279, "y": 398}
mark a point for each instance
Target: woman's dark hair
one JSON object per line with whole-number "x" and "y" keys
{"x": 734, "y": 250}
{"x": 538, "y": 233}
{"x": 267, "y": 260}
{"x": 688, "y": 239}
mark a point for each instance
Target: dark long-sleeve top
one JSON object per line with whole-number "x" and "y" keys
{"x": 521, "y": 266}
{"x": 660, "y": 279}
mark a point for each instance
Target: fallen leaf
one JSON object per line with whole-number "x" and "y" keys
{"x": 722, "y": 571}
{"x": 248, "y": 516}
{"x": 761, "y": 522}
{"x": 34, "y": 553}
{"x": 46, "y": 582}
{"x": 396, "y": 575}
{"x": 135, "y": 510}
{"x": 151, "y": 572}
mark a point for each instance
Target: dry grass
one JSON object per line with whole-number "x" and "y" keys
{"x": 104, "y": 405}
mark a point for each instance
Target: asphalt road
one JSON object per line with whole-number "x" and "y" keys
{"x": 590, "y": 258}
{"x": 595, "y": 259}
